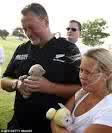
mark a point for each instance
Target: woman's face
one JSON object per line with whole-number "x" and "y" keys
{"x": 90, "y": 75}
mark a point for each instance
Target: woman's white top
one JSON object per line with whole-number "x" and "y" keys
{"x": 101, "y": 113}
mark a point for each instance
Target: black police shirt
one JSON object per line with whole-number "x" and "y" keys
{"x": 61, "y": 60}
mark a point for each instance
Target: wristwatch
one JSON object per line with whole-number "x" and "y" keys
{"x": 14, "y": 84}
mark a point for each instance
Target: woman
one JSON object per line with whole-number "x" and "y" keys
{"x": 93, "y": 110}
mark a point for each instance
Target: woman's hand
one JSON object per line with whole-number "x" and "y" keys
{"x": 57, "y": 129}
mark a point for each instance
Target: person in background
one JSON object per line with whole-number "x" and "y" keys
{"x": 59, "y": 58}
{"x": 1, "y": 58}
{"x": 73, "y": 35}
{"x": 93, "y": 111}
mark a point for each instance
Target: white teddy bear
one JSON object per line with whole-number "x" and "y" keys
{"x": 35, "y": 72}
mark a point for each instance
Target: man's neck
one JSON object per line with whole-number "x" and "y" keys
{"x": 47, "y": 38}
{"x": 72, "y": 40}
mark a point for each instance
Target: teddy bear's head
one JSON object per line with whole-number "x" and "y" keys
{"x": 62, "y": 116}
{"x": 36, "y": 70}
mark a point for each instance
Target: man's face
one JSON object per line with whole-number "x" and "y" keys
{"x": 73, "y": 32}
{"x": 34, "y": 27}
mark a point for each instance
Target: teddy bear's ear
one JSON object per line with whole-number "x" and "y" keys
{"x": 42, "y": 71}
{"x": 61, "y": 105}
{"x": 50, "y": 113}
{"x": 30, "y": 71}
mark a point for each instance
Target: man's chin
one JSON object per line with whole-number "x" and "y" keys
{"x": 35, "y": 42}
{"x": 70, "y": 38}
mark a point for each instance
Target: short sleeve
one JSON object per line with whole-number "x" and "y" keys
{"x": 9, "y": 72}
{"x": 104, "y": 117}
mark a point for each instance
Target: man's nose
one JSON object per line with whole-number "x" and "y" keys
{"x": 70, "y": 30}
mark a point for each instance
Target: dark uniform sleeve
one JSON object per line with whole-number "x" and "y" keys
{"x": 73, "y": 59}
{"x": 9, "y": 72}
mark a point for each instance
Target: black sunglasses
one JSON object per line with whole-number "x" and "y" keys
{"x": 72, "y": 29}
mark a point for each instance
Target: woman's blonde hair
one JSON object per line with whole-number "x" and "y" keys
{"x": 104, "y": 59}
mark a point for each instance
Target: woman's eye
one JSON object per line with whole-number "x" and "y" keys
{"x": 81, "y": 70}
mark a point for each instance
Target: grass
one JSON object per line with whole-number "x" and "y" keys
{"x": 9, "y": 46}
{"x": 6, "y": 108}
{"x": 7, "y": 99}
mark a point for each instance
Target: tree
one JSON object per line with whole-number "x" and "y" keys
{"x": 3, "y": 34}
{"x": 93, "y": 32}
{"x": 18, "y": 32}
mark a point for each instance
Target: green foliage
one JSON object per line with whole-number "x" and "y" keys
{"x": 93, "y": 32}
{"x": 3, "y": 34}
{"x": 18, "y": 32}
{"x": 9, "y": 46}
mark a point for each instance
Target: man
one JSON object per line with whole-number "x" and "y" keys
{"x": 73, "y": 35}
{"x": 73, "y": 31}
{"x": 59, "y": 58}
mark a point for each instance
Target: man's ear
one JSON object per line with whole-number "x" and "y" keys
{"x": 46, "y": 21}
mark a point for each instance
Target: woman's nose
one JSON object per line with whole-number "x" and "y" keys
{"x": 83, "y": 76}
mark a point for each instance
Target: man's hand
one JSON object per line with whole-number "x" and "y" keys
{"x": 23, "y": 77}
{"x": 45, "y": 86}
{"x": 23, "y": 89}
{"x": 40, "y": 85}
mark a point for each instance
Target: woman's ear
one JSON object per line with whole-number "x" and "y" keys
{"x": 110, "y": 76}
{"x": 103, "y": 76}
